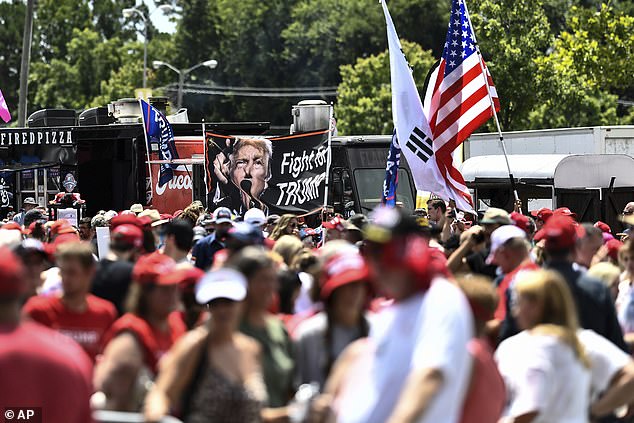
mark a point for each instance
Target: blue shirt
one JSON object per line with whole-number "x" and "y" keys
{"x": 204, "y": 250}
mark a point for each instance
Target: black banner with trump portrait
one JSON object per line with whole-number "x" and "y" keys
{"x": 278, "y": 175}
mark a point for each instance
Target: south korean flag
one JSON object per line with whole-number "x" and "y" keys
{"x": 412, "y": 127}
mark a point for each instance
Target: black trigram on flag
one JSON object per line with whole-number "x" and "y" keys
{"x": 420, "y": 145}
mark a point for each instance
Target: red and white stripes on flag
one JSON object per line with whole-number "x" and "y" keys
{"x": 457, "y": 99}
{"x": 454, "y": 108}
{"x": 458, "y": 104}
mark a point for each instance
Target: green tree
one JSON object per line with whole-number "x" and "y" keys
{"x": 365, "y": 96}
{"x": 512, "y": 34}
{"x": 75, "y": 80}
{"x": 54, "y": 24}
{"x": 250, "y": 55}
{"x": 107, "y": 18}
{"x": 587, "y": 71}
{"x": 11, "y": 29}
{"x": 325, "y": 34}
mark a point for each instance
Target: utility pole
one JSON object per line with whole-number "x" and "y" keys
{"x": 26, "y": 60}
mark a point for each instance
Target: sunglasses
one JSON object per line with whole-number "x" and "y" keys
{"x": 627, "y": 213}
{"x": 219, "y": 302}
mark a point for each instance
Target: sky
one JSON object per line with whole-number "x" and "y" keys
{"x": 160, "y": 21}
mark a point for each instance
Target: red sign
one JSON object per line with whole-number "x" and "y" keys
{"x": 177, "y": 193}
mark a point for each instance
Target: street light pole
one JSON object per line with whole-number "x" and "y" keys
{"x": 26, "y": 60}
{"x": 181, "y": 82}
{"x": 144, "y": 52}
{"x": 182, "y": 73}
{"x": 128, "y": 14}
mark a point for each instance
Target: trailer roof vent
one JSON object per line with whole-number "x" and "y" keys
{"x": 52, "y": 118}
{"x": 125, "y": 110}
{"x": 310, "y": 115}
{"x": 95, "y": 116}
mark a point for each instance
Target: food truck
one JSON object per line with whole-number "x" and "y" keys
{"x": 111, "y": 166}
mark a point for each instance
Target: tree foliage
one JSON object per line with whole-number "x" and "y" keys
{"x": 589, "y": 68}
{"x": 554, "y": 62}
{"x": 11, "y": 28}
{"x": 365, "y": 96}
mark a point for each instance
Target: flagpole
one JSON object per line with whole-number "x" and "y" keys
{"x": 205, "y": 165}
{"x": 147, "y": 151}
{"x": 495, "y": 114}
{"x": 329, "y": 159}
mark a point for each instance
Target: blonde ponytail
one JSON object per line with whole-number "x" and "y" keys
{"x": 559, "y": 314}
{"x": 567, "y": 336}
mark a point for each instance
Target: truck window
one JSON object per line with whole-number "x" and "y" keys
{"x": 370, "y": 186}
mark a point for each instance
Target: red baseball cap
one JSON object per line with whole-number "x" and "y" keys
{"x": 65, "y": 238}
{"x": 520, "y": 221}
{"x": 13, "y": 226}
{"x": 564, "y": 211}
{"x": 335, "y": 223}
{"x": 560, "y": 232}
{"x": 542, "y": 214}
{"x": 129, "y": 234}
{"x": 31, "y": 228}
{"x": 145, "y": 221}
{"x": 186, "y": 278}
{"x": 613, "y": 246}
{"x": 12, "y": 281}
{"x": 605, "y": 228}
{"x": 62, "y": 227}
{"x": 151, "y": 266}
{"x": 343, "y": 269}
{"x": 124, "y": 219}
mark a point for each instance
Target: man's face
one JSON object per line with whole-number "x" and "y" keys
{"x": 538, "y": 224}
{"x": 28, "y": 207}
{"x": 587, "y": 248}
{"x": 629, "y": 208}
{"x": 222, "y": 229}
{"x": 504, "y": 259}
{"x": 85, "y": 232}
{"x": 250, "y": 163}
{"x": 75, "y": 277}
{"x": 435, "y": 213}
{"x": 489, "y": 228}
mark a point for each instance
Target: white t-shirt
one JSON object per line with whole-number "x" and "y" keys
{"x": 606, "y": 360}
{"x": 425, "y": 331}
{"x": 311, "y": 356}
{"x": 542, "y": 374}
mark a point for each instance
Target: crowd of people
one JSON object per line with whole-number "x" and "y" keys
{"x": 431, "y": 316}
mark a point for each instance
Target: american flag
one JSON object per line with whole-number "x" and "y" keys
{"x": 459, "y": 102}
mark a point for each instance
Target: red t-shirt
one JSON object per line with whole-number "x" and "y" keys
{"x": 486, "y": 396}
{"x": 86, "y": 328}
{"x": 154, "y": 342}
{"x": 500, "y": 311}
{"x": 41, "y": 368}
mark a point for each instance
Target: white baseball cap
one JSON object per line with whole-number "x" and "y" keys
{"x": 223, "y": 283}
{"x": 501, "y": 235}
{"x": 223, "y": 215}
{"x": 255, "y": 217}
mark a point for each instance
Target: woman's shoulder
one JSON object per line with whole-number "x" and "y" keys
{"x": 247, "y": 344}
{"x": 191, "y": 340}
